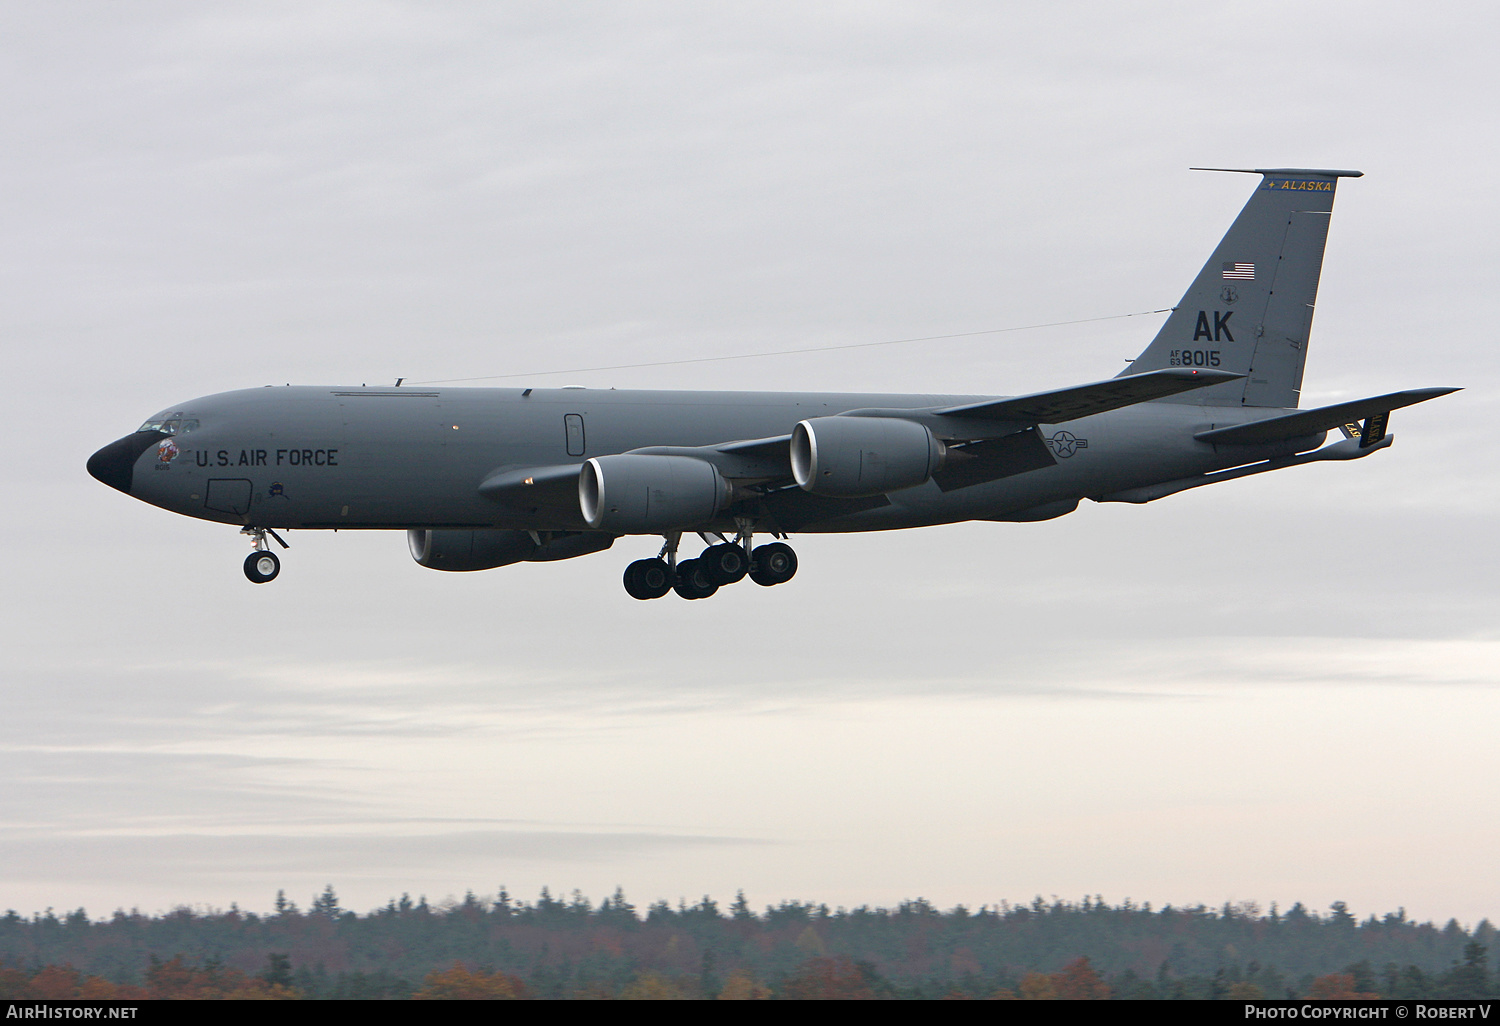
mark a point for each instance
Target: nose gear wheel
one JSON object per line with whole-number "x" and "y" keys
{"x": 261, "y": 567}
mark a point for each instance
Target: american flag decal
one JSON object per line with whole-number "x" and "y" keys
{"x": 1240, "y": 272}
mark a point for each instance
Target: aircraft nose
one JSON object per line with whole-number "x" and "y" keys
{"x": 114, "y": 464}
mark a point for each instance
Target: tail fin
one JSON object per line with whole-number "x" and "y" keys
{"x": 1250, "y": 309}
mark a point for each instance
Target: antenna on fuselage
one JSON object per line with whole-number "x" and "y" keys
{"x": 398, "y": 382}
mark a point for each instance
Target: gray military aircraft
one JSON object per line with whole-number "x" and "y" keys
{"x": 485, "y": 477}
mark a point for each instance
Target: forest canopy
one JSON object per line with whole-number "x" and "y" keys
{"x": 556, "y": 947}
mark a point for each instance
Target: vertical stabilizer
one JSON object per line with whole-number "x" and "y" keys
{"x": 1250, "y": 309}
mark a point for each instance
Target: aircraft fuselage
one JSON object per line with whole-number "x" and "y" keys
{"x": 387, "y": 458}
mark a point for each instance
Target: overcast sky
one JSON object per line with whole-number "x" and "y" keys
{"x": 1278, "y": 689}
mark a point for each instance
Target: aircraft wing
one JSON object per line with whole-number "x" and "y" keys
{"x": 760, "y": 458}
{"x": 768, "y": 460}
{"x": 1325, "y": 418}
{"x": 1065, "y": 404}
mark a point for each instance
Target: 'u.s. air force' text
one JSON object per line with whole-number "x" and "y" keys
{"x": 261, "y": 458}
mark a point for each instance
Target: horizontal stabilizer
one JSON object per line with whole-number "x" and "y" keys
{"x": 1281, "y": 172}
{"x": 1310, "y": 422}
{"x": 1067, "y": 404}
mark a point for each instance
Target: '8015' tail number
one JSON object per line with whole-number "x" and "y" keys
{"x": 1195, "y": 357}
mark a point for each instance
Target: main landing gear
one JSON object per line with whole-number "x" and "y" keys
{"x": 262, "y": 565}
{"x": 716, "y": 567}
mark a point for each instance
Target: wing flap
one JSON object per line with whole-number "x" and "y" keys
{"x": 1065, "y": 404}
{"x": 1325, "y": 418}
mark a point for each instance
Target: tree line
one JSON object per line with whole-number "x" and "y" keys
{"x": 557, "y": 947}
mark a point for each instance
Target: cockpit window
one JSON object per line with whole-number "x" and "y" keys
{"x": 169, "y": 426}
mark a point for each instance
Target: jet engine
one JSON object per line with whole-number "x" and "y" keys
{"x": 485, "y": 550}
{"x": 849, "y": 457}
{"x": 643, "y": 494}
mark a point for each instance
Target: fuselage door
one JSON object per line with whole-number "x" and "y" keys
{"x": 573, "y": 425}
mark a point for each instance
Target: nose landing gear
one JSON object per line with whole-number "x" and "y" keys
{"x": 262, "y": 565}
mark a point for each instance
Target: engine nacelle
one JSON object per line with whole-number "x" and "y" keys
{"x": 468, "y": 550}
{"x": 850, "y": 457}
{"x": 642, "y": 494}
{"x": 485, "y": 550}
